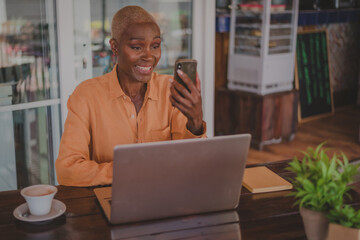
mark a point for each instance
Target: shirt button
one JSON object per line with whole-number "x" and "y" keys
{"x": 132, "y": 116}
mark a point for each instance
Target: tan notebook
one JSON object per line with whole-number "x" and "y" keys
{"x": 262, "y": 179}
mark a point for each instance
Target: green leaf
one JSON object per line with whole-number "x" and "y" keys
{"x": 331, "y": 169}
{"x": 307, "y": 199}
{"x": 318, "y": 148}
{"x": 295, "y": 166}
{"x": 303, "y": 165}
{"x": 323, "y": 169}
{"x": 308, "y": 186}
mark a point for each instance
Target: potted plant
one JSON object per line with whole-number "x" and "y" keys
{"x": 320, "y": 184}
{"x": 344, "y": 223}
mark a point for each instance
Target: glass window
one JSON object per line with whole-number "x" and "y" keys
{"x": 27, "y": 52}
{"x": 29, "y": 93}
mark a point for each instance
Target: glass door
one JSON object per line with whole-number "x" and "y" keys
{"x": 249, "y": 21}
{"x": 29, "y": 93}
{"x": 281, "y": 26}
{"x": 248, "y": 24}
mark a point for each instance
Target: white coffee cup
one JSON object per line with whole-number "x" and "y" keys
{"x": 39, "y": 198}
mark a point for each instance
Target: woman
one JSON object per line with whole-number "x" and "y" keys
{"x": 131, "y": 104}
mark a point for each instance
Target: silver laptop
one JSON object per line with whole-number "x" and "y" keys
{"x": 175, "y": 178}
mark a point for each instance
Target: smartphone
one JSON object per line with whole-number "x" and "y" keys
{"x": 188, "y": 66}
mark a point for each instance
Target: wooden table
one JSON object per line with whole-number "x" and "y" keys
{"x": 258, "y": 216}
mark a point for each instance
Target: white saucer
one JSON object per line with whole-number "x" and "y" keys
{"x": 22, "y": 212}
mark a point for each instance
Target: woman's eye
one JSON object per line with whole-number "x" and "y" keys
{"x": 156, "y": 46}
{"x": 135, "y": 48}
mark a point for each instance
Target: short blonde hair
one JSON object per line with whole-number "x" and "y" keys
{"x": 127, "y": 16}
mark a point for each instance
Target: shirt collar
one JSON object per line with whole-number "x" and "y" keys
{"x": 152, "y": 92}
{"x": 116, "y": 90}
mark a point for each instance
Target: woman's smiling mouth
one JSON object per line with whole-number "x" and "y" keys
{"x": 144, "y": 69}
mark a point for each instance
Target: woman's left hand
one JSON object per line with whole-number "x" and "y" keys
{"x": 189, "y": 103}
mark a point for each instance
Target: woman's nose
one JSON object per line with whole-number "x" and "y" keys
{"x": 147, "y": 54}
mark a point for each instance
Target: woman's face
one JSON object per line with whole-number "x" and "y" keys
{"x": 139, "y": 51}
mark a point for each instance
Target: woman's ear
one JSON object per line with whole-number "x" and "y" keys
{"x": 113, "y": 45}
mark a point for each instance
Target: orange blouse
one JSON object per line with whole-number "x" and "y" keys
{"x": 101, "y": 116}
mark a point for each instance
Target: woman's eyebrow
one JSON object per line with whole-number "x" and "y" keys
{"x": 141, "y": 38}
{"x": 136, "y": 38}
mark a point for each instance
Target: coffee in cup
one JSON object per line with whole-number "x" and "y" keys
{"x": 39, "y": 198}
